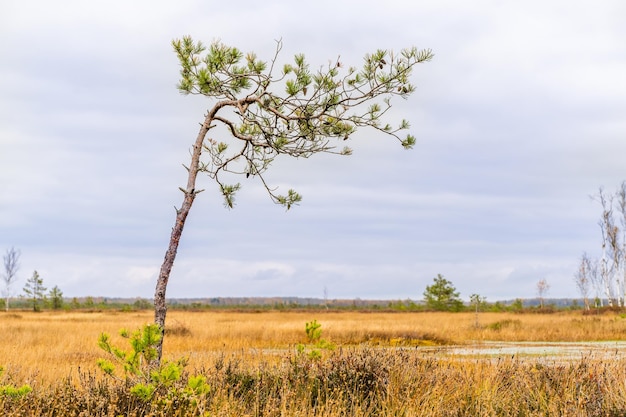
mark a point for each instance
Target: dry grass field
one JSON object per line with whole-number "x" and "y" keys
{"x": 383, "y": 364}
{"x": 46, "y": 345}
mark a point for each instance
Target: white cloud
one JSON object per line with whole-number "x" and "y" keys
{"x": 518, "y": 118}
{"x": 142, "y": 275}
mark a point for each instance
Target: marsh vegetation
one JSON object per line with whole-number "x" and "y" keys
{"x": 375, "y": 364}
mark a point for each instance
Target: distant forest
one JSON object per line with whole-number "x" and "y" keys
{"x": 290, "y": 303}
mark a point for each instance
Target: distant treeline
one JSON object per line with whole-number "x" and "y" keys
{"x": 292, "y": 303}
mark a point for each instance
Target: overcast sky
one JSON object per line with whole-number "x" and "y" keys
{"x": 520, "y": 117}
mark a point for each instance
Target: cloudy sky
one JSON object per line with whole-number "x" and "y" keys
{"x": 520, "y": 117}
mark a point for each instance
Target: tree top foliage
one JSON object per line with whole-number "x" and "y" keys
{"x": 441, "y": 295}
{"x": 289, "y": 109}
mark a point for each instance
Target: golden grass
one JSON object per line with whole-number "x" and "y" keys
{"x": 257, "y": 352}
{"x": 46, "y": 345}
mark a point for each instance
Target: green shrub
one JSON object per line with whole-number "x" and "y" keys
{"x": 313, "y": 331}
{"x": 12, "y": 391}
{"x": 15, "y": 392}
{"x": 142, "y": 370}
{"x": 502, "y": 324}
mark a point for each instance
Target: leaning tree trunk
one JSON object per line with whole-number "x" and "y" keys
{"x": 160, "y": 306}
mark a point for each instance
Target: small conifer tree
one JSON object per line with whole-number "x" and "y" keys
{"x": 56, "y": 298}
{"x": 35, "y": 291}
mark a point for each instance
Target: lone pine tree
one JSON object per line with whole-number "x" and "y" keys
{"x": 270, "y": 111}
{"x": 35, "y": 291}
{"x": 441, "y": 295}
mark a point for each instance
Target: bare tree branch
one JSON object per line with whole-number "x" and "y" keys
{"x": 11, "y": 261}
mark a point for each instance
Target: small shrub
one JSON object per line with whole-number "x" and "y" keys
{"x": 503, "y": 324}
{"x": 12, "y": 391}
{"x": 177, "y": 328}
{"x": 313, "y": 331}
{"x": 138, "y": 362}
{"x": 143, "y": 371}
{"x": 15, "y": 392}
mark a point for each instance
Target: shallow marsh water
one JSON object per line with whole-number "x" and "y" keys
{"x": 537, "y": 350}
